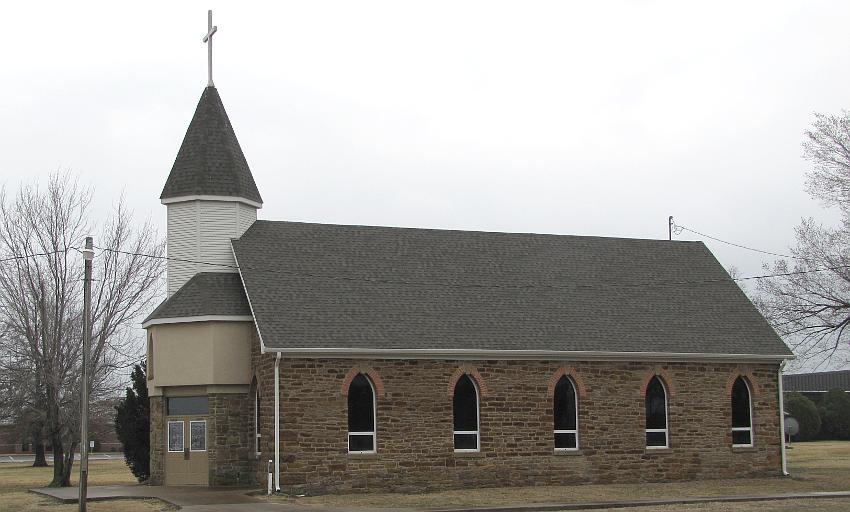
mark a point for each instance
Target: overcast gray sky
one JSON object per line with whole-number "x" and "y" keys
{"x": 596, "y": 118}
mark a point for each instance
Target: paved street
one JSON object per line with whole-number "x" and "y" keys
{"x": 28, "y": 457}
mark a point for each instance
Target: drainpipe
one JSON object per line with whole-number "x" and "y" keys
{"x": 782, "y": 421}
{"x": 277, "y": 423}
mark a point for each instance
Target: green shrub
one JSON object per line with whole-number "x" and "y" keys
{"x": 834, "y": 411}
{"x": 806, "y": 413}
{"x": 132, "y": 424}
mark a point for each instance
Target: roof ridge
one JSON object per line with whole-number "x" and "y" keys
{"x": 478, "y": 231}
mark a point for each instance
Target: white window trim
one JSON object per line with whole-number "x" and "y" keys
{"x": 257, "y": 434}
{"x": 191, "y": 422}
{"x": 477, "y": 432}
{"x": 374, "y": 423}
{"x": 666, "y": 428}
{"x": 182, "y": 436}
{"x": 575, "y": 398}
{"x": 750, "y": 428}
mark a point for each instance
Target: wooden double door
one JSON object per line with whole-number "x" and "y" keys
{"x": 186, "y": 460}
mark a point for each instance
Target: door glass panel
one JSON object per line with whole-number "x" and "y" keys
{"x": 175, "y": 436}
{"x": 198, "y": 436}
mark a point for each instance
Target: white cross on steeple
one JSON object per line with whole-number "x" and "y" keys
{"x": 208, "y": 39}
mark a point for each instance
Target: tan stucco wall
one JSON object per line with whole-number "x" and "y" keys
{"x": 200, "y": 354}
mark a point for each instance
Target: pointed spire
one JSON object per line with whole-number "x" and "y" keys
{"x": 210, "y": 161}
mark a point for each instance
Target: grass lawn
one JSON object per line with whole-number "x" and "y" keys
{"x": 821, "y": 505}
{"x": 15, "y": 479}
{"x": 818, "y": 466}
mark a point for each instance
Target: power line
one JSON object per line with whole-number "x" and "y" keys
{"x": 160, "y": 257}
{"x": 27, "y": 256}
{"x": 679, "y": 228}
{"x": 478, "y": 285}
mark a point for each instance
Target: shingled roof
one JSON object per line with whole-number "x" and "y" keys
{"x": 210, "y": 161}
{"x": 205, "y": 294}
{"x": 329, "y": 287}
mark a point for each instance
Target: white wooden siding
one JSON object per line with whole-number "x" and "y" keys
{"x": 246, "y": 215}
{"x": 182, "y": 241}
{"x": 201, "y": 230}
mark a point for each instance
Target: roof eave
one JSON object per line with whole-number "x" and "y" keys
{"x": 204, "y": 197}
{"x": 354, "y": 353}
{"x": 200, "y": 318}
{"x": 263, "y": 348}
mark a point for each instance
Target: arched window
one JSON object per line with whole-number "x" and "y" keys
{"x": 465, "y": 408}
{"x": 257, "y": 422}
{"x": 566, "y": 415}
{"x": 361, "y": 415}
{"x": 742, "y": 414}
{"x": 656, "y": 414}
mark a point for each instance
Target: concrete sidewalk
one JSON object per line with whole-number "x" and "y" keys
{"x": 205, "y": 499}
{"x": 180, "y": 496}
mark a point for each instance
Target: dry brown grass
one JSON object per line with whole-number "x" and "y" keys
{"x": 821, "y": 505}
{"x": 16, "y": 479}
{"x": 819, "y": 466}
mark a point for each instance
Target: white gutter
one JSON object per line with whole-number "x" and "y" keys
{"x": 782, "y": 422}
{"x": 579, "y": 355}
{"x": 277, "y": 423}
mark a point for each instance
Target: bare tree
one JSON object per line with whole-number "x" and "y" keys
{"x": 41, "y": 230}
{"x": 827, "y": 147}
{"x": 809, "y": 304}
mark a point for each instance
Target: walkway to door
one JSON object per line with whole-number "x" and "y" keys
{"x": 180, "y": 496}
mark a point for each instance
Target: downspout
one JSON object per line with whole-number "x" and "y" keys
{"x": 277, "y": 423}
{"x": 782, "y": 422}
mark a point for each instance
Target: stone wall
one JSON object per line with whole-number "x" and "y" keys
{"x": 157, "y": 447}
{"x": 231, "y": 446}
{"x": 414, "y": 424}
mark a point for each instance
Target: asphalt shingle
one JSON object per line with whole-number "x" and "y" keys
{"x": 206, "y": 293}
{"x": 210, "y": 160}
{"x": 359, "y": 287}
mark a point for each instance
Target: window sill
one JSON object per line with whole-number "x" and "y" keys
{"x": 469, "y": 455}
{"x": 657, "y": 451}
{"x": 363, "y": 456}
{"x": 567, "y": 452}
{"x": 744, "y": 449}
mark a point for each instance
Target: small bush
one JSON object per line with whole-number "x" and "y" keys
{"x": 806, "y": 413}
{"x": 834, "y": 410}
{"x": 132, "y": 424}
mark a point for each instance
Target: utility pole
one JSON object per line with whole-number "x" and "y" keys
{"x": 88, "y": 256}
{"x": 670, "y": 228}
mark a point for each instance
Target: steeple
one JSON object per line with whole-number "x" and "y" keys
{"x": 210, "y": 161}
{"x": 210, "y": 193}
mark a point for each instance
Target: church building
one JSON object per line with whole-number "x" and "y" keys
{"x": 337, "y": 358}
